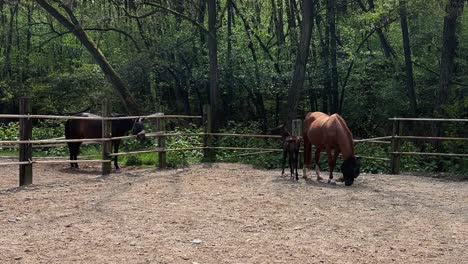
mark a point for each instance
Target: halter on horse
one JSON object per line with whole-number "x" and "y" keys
{"x": 330, "y": 132}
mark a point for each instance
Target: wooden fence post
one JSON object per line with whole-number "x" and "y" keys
{"x": 25, "y": 150}
{"x": 160, "y": 127}
{"x": 106, "y": 133}
{"x": 396, "y": 147}
{"x": 207, "y": 139}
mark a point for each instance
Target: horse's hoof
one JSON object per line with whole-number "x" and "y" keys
{"x": 319, "y": 178}
{"x": 332, "y": 181}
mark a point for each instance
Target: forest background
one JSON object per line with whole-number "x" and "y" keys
{"x": 257, "y": 63}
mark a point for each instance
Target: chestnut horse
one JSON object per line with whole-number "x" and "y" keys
{"x": 291, "y": 146}
{"x": 90, "y": 128}
{"x": 330, "y": 132}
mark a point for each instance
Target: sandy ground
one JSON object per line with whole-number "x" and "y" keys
{"x": 228, "y": 213}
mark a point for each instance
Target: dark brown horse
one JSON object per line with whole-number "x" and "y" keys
{"x": 330, "y": 132}
{"x": 291, "y": 146}
{"x": 85, "y": 128}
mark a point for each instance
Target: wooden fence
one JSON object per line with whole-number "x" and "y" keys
{"x": 26, "y": 143}
{"x": 397, "y": 137}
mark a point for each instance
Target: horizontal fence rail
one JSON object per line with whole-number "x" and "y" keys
{"x": 430, "y": 154}
{"x": 153, "y": 116}
{"x": 428, "y": 119}
{"x": 27, "y": 143}
{"x": 397, "y": 137}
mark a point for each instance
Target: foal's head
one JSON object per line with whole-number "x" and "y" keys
{"x": 281, "y": 131}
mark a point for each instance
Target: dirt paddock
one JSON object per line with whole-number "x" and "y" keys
{"x": 228, "y": 213}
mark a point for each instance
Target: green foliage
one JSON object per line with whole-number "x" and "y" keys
{"x": 184, "y": 157}
{"x": 9, "y": 131}
{"x": 265, "y": 160}
{"x": 370, "y": 151}
{"x": 164, "y": 60}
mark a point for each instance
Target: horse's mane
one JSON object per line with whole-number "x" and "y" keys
{"x": 348, "y": 135}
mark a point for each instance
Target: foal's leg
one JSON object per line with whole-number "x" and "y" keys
{"x": 307, "y": 149}
{"x": 284, "y": 161}
{"x": 317, "y": 159}
{"x": 291, "y": 161}
{"x": 296, "y": 159}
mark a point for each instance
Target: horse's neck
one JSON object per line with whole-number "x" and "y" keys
{"x": 122, "y": 126}
{"x": 285, "y": 134}
{"x": 345, "y": 140}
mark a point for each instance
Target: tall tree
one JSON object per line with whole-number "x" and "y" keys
{"x": 325, "y": 51}
{"x": 74, "y": 26}
{"x": 297, "y": 83}
{"x": 255, "y": 94}
{"x": 384, "y": 43}
{"x": 213, "y": 55}
{"x": 454, "y": 10}
{"x": 291, "y": 15}
{"x": 229, "y": 79}
{"x": 408, "y": 61}
{"x": 331, "y": 12}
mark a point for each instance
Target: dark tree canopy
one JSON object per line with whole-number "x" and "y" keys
{"x": 256, "y": 62}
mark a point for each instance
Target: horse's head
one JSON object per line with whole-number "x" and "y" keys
{"x": 138, "y": 128}
{"x": 350, "y": 169}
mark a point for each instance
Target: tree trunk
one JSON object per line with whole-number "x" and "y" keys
{"x": 386, "y": 47}
{"x": 75, "y": 27}
{"x": 325, "y": 50}
{"x": 454, "y": 10}
{"x": 292, "y": 25}
{"x": 29, "y": 8}
{"x": 408, "y": 61}
{"x": 331, "y": 11}
{"x": 297, "y": 83}
{"x": 278, "y": 19}
{"x": 229, "y": 79}
{"x": 213, "y": 55}
{"x": 7, "y": 72}
{"x": 256, "y": 95}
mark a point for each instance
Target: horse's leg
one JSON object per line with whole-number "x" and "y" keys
{"x": 77, "y": 152}
{"x": 291, "y": 161}
{"x": 116, "y": 144}
{"x": 296, "y": 160}
{"x": 331, "y": 164}
{"x": 72, "y": 153}
{"x": 335, "y": 158}
{"x": 284, "y": 160}
{"x": 307, "y": 146}
{"x": 317, "y": 160}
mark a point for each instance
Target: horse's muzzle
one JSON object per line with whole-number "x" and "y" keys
{"x": 141, "y": 135}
